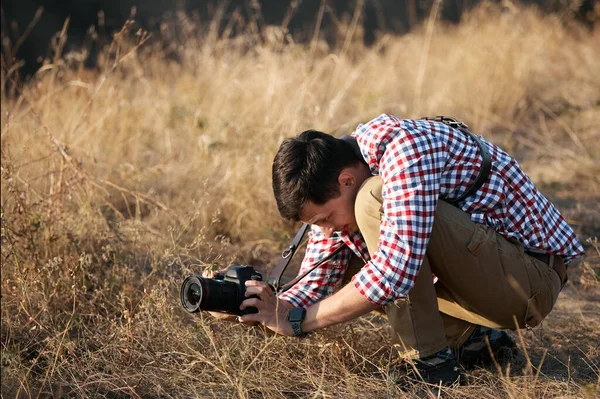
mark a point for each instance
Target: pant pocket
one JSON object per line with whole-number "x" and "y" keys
{"x": 480, "y": 240}
{"x": 538, "y": 307}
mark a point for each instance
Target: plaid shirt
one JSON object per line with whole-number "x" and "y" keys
{"x": 420, "y": 161}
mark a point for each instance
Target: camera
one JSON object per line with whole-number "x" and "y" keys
{"x": 223, "y": 293}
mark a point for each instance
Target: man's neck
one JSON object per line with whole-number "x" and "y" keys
{"x": 362, "y": 173}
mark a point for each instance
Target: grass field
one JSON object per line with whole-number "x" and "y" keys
{"x": 117, "y": 183}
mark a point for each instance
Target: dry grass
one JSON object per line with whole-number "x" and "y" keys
{"x": 118, "y": 183}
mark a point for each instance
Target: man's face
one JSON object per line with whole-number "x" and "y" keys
{"x": 337, "y": 214}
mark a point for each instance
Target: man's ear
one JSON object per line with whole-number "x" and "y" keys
{"x": 346, "y": 178}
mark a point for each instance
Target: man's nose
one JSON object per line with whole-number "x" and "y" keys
{"x": 327, "y": 231}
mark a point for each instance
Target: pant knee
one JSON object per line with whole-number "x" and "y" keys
{"x": 369, "y": 200}
{"x": 368, "y": 211}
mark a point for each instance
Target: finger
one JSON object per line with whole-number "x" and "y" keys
{"x": 222, "y": 316}
{"x": 247, "y": 323}
{"x": 262, "y": 292}
{"x": 252, "y": 291}
{"x": 255, "y": 302}
{"x": 250, "y": 318}
{"x": 256, "y": 283}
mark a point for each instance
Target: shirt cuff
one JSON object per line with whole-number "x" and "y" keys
{"x": 373, "y": 285}
{"x": 290, "y": 300}
{"x": 293, "y": 299}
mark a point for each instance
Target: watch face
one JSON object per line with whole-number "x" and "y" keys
{"x": 296, "y": 314}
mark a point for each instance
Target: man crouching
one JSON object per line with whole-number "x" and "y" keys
{"x": 451, "y": 254}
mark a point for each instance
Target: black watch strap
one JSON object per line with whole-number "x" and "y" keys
{"x": 295, "y": 317}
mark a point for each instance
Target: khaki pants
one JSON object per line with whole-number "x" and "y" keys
{"x": 484, "y": 279}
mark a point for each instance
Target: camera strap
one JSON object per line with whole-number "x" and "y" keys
{"x": 486, "y": 159}
{"x": 286, "y": 257}
{"x": 287, "y": 254}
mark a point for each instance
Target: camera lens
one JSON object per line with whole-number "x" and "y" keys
{"x": 199, "y": 293}
{"x": 194, "y": 294}
{"x": 191, "y": 293}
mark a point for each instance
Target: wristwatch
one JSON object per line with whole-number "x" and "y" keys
{"x": 295, "y": 317}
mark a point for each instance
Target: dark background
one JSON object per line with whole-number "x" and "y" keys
{"x": 88, "y": 29}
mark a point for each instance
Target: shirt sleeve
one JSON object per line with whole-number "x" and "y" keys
{"x": 410, "y": 166}
{"x": 324, "y": 280}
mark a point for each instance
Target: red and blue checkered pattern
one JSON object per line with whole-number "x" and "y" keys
{"x": 419, "y": 162}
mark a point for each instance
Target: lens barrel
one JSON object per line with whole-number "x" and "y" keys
{"x": 191, "y": 294}
{"x": 199, "y": 293}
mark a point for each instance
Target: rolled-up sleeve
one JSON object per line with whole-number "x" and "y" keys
{"x": 322, "y": 281}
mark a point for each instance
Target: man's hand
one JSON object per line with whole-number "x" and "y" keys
{"x": 272, "y": 311}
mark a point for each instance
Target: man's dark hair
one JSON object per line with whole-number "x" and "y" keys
{"x": 306, "y": 168}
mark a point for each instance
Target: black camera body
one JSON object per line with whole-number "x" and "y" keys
{"x": 222, "y": 293}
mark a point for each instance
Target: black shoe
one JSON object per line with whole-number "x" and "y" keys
{"x": 476, "y": 352}
{"x": 439, "y": 368}
{"x": 449, "y": 373}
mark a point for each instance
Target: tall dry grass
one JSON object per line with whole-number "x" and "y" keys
{"x": 119, "y": 182}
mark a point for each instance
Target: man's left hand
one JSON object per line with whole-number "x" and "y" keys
{"x": 272, "y": 311}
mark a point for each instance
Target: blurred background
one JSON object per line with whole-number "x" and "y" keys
{"x": 32, "y": 23}
{"x": 136, "y": 146}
